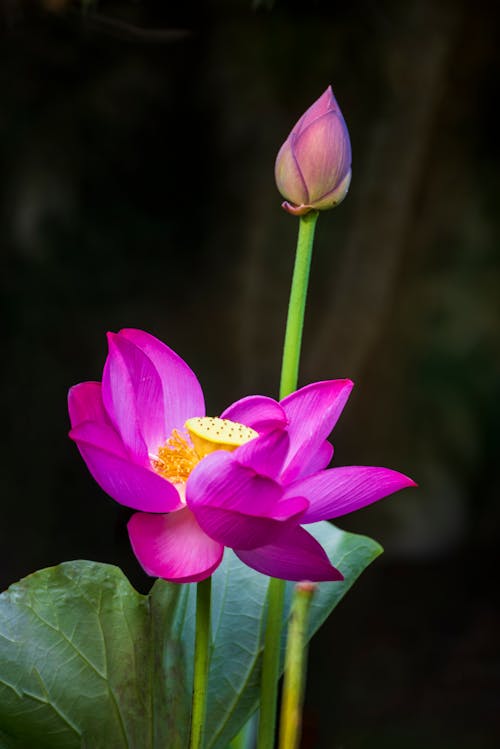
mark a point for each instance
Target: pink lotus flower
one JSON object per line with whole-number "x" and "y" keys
{"x": 313, "y": 166}
{"x": 247, "y": 480}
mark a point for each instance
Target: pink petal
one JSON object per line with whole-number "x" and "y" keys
{"x": 237, "y": 530}
{"x": 289, "y": 179}
{"x": 101, "y": 435}
{"x": 132, "y": 396}
{"x": 129, "y": 484}
{"x": 323, "y": 154}
{"x": 335, "y": 196}
{"x": 85, "y": 403}
{"x": 173, "y": 546}
{"x": 296, "y": 555}
{"x": 312, "y": 413}
{"x": 236, "y": 506}
{"x": 266, "y": 454}
{"x": 325, "y": 103}
{"x": 341, "y": 490}
{"x": 296, "y": 210}
{"x": 257, "y": 411}
{"x": 182, "y": 393}
{"x": 219, "y": 480}
{"x": 318, "y": 460}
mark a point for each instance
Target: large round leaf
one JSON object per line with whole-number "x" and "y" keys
{"x": 87, "y": 662}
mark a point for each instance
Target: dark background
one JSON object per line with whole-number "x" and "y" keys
{"x": 137, "y": 143}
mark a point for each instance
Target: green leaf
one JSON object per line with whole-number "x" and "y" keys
{"x": 87, "y": 662}
{"x": 238, "y": 619}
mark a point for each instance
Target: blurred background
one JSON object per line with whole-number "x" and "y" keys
{"x": 137, "y": 144}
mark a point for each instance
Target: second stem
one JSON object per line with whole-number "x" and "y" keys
{"x": 201, "y": 662}
{"x": 288, "y": 383}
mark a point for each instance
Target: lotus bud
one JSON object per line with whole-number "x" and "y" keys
{"x": 313, "y": 167}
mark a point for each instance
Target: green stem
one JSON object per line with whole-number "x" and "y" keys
{"x": 201, "y": 660}
{"x": 295, "y": 667}
{"x": 288, "y": 383}
{"x": 297, "y": 304}
{"x": 271, "y": 664}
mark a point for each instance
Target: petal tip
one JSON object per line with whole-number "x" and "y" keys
{"x": 296, "y": 210}
{"x": 338, "y": 576}
{"x": 405, "y": 481}
{"x": 136, "y": 336}
{"x": 328, "y": 94}
{"x": 124, "y": 331}
{"x": 111, "y": 338}
{"x": 164, "y": 544}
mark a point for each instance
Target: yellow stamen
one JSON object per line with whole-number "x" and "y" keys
{"x": 179, "y": 455}
{"x": 211, "y": 433}
{"x": 176, "y": 459}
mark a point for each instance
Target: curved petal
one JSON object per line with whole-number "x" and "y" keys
{"x": 257, "y": 411}
{"x": 296, "y": 555}
{"x": 132, "y": 396}
{"x": 237, "y": 530}
{"x": 129, "y": 484}
{"x": 266, "y": 454}
{"x": 289, "y": 179}
{"x": 318, "y": 460}
{"x": 341, "y": 490}
{"x": 312, "y": 413}
{"x": 182, "y": 393}
{"x": 221, "y": 481}
{"x": 236, "y": 506}
{"x": 101, "y": 435}
{"x": 323, "y": 167}
{"x": 335, "y": 196}
{"x": 325, "y": 103}
{"x": 85, "y": 403}
{"x": 173, "y": 546}
{"x": 297, "y": 210}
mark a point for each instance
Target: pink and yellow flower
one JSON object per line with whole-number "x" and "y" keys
{"x": 248, "y": 479}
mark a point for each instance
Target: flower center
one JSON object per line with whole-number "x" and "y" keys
{"x": 176, "y": 458}
{"x": 211, "y": 433}
{"x": 180, "y": 453}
